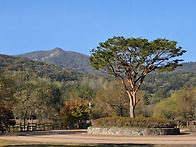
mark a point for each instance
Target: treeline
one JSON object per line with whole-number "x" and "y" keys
{"x": 62, "y": 95}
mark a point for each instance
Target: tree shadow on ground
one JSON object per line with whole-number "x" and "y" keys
{"x": 82, "y": 145}
{"x": 37, "y": 133}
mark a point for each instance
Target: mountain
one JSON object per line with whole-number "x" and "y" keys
{"x": 186, "y": 67}
{"x": 79, "y": 62}
{"x": 53, "y": 72}
{"x": 59, "y": 57}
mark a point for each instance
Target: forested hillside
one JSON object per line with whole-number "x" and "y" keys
{"x": 40, "y": 68}
{"x": 161, "y": 85}
{"x": 156, "y": 83}
{"x": 186, "y": 67}
{"x": 59, "y": 57}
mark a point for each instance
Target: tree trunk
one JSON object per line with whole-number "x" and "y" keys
{"x": 132, "y": 110}
{"x": 132, "y": 104}
{"x": 121, "y": 112}
{"x": 24, "y": 125}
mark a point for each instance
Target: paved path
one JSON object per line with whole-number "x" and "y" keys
{"x": 81, "y": 137}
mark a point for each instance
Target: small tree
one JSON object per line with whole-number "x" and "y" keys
{"x": 111, "y": 101}
{"x": 132, "y": 59}
{"x": 75, "y": 113}
{"x": 6, "y": 118}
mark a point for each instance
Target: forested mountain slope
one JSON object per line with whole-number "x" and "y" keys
{"x": 158, "y": 83}
{"x": 165, "y": 83}
{"x": 186, "y": 67}
{"x": 59, "y": 57}
{"x": 42, "y": 69}
{"x": 168, "y": 81}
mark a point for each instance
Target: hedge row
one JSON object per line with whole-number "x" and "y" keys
{"x": 133, "y": 122}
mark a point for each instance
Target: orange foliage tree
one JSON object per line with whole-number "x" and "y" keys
{"x": 6, "y": 118}
{"x": 74, "y": 114}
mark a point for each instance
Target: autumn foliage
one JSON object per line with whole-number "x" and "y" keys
{"x": 74, "y": 114}
{"x": 6, "y": 118}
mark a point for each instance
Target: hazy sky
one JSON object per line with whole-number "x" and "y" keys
{"x": 79, "y": 25}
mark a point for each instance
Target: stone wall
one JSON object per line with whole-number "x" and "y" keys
{"x": 134, "y": 131}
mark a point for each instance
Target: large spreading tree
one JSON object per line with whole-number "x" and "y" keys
{"x": 131, "y": 59}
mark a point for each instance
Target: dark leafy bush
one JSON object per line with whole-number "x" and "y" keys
{"x": 6, "y": 118}
{"x": 133, "y": 122}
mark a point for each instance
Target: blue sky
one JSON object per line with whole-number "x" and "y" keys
{"x": 79, "y": 25}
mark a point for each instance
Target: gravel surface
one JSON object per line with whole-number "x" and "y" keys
{"x": 188, "y": 137}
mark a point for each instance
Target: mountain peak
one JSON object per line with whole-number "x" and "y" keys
{"x": 62, "y": 58}
{"x": 58, "y": 50}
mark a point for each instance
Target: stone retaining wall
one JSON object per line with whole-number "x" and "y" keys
{"x": 134, "y": 131}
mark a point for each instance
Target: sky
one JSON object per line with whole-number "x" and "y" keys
{"x": 80, "y": 25}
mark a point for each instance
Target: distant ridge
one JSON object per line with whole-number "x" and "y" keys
{"x": 41, "y": 55}
{"x": 59, "y": 57}
{"x": 79, "y": 62}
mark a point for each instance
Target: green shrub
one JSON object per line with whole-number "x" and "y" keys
{"x": 139, "y": 122}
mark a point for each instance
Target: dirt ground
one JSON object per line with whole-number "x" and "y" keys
{"x": 188, "y": 137}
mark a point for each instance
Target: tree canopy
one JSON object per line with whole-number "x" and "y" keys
{"x": 132, "y": 59}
